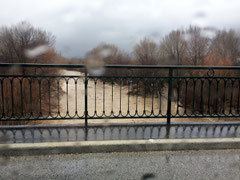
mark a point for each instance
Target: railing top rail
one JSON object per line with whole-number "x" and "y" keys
{"x": 118, "y": 66}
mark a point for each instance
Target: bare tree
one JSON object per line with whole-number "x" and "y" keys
{"x": 147, "y": 52}
{"x": 173, "y": 48}
{"x": 226, "y": 44}
{"x": 15, "y": 40}
{"x": 197, "y": 45}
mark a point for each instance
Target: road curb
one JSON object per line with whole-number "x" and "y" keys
{"x": 117, "y": 146}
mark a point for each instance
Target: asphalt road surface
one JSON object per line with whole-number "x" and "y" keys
{"x": 224, "y": 164}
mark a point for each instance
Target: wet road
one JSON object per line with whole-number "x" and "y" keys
{"x": 196, "y": 165}
{"x": 58, "y": 133}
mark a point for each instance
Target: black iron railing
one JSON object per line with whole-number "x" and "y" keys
{"x": 133, "y": 92}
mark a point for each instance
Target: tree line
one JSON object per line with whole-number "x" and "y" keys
{"x": 191, "y": 46}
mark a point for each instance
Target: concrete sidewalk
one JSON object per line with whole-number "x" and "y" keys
{"x": 118, "y": 146}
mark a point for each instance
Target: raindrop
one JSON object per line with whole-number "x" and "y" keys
{"x": 186, "y": 37}
{"x": 105, "y": 53}
{"x": 31, "y": 53}
{"x": 151, "y": 140}
{"x": 200, "y": 14}
{"x": 95, "y": 66}
{"x": 208, "y": 33}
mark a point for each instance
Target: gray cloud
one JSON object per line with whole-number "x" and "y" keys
{"x": 80, "y": 25}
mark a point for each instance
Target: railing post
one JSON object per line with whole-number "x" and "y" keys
{"x": 170, "y": 74}
{"x": 86, "y": 102}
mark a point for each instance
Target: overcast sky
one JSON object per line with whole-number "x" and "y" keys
{"x": 80, "y": 25}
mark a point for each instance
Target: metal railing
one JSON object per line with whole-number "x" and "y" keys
{"x": 143, "y": 92}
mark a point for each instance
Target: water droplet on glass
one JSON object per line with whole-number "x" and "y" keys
{"x": 95, "y": 66}
{"x": 31, "y": 53}
{"x": 208, "y": 33}
{"x": 151, "y": 140}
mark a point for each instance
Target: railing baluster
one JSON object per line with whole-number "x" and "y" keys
{"x": 2, "y": 93}
{"x": 216, "y": 97}
{"x": 31, "y": 103}
{"x": 95, "y": 97}
{"x": 224, "y": 91}
{"x": 169, "y": 103}
{"x": 40, "y": 96}
{"x": 21, "y": 97}
{"x": 112, "y": 100}
{"x": 76, "y": 97}
{"x": 128, "y": 112}
{"x": 209, "y": 95}
{"x": 136, "y": 111}
{"x": 231, "y": 98}
{"x": 201, "y": 97}
{"x": 66, "y": 81}
{"x": 185, "y": 101}
{"x": 86, "y": 102}
{"x": 238, "y": 97}
{"x": 104, "y": 98}
{"x": 49, "y": 99}
{"x": 160, "y": 97}
{"x": 120, "y": 98}
{"x": 153, "y": 86}
{"x": 58, "y": 98}
{"x": 193, "y": 103}
{"x": 178, "y": 94}
{"x": 12, "y": 98}
{"x": 144, "y": 103}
